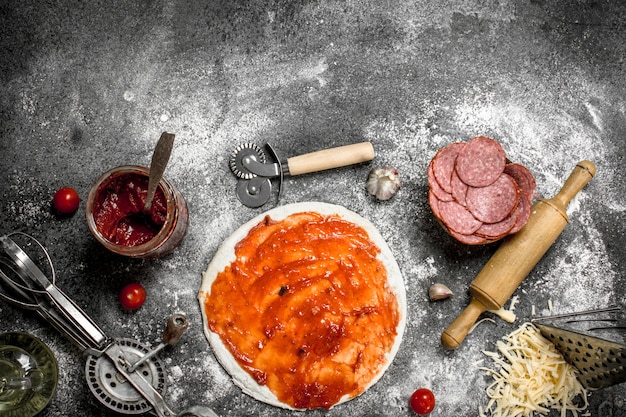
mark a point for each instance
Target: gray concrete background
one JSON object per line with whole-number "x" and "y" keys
{"x": 87, "y": 86}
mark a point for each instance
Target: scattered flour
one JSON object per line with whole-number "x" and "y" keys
{"x": 437, "y": 376}
{"x": 583, "y": 277}
{"x": 221, "y": 382}
{"x": 426, "y": 269}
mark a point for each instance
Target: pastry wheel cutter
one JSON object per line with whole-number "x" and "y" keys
{"x": 592, "y": 341}
{"x": 249, "y": 163}
{"x": 124, "y": 375}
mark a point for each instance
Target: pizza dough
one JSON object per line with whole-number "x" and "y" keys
{"x": 253, "y": 384}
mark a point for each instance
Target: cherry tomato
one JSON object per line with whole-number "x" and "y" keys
{"x": 422, "y": 401}
{"x": 66, "y": 200}
{"x": 132, "y": 296}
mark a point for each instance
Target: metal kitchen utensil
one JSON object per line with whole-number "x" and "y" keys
{"x": 248, "y": 163}
{"x": 124, "y": 375}
{"x": 592, "y": 341}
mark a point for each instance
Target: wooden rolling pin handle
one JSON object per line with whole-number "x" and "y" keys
{"x": 580, "y": 176}
{"x": 452, "y": 337}
{"x": 331, "y": 158}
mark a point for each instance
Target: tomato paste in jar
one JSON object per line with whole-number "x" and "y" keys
{"x": 118, "y": 211}
{"x": 116, "y": 218}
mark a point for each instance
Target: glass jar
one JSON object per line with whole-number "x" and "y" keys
{"x": 115, "y": 217}
{"x": 28, "y": 374}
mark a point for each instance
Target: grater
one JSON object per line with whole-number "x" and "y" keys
{"x": 592, "y": 341}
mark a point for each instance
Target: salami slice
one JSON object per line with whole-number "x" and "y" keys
{"x": 459, "y": 189}
{"x": 468, "y": 239}
{"x": 480, "y": 162}
{"x": 433, "y": 201}
{"x": 458, "y": 218}
{"x": 443, "y": 164}
{"x": 493, "y": 203}
{"x": 523, "y": 177}
{"x": 439, "y": 192}
{"x": 500, "y": 229}
{"x": 523, "y": 210}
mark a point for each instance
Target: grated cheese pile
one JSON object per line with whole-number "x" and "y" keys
{"x": 531, "y": 378}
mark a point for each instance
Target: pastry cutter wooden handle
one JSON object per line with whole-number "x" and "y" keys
{"x": 248, "y": 162}
{"x": 330, "y": 158}
{"x": 518, "y": 255}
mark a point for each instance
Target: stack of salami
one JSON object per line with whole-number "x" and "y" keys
{"x": 476, "y": 193}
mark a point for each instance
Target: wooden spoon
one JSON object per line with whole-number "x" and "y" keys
{"x": 160, "y": 157}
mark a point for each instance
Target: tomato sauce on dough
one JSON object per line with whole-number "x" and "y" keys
{"x": 306, "y": 309}
{"x": 118, "y": 211}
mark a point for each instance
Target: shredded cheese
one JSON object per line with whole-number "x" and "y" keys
{"x": 504, "y": 314}
{"x": 479, "y": 322}
{"x": 531, "y": 378}
{"x": 507, "y": 315}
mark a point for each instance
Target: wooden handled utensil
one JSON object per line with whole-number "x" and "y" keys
{"x": 248, "y": 162}
{"x": 518, "y": 255}
{"x": 330, "y": 158}
{"x": 160, "y": 158}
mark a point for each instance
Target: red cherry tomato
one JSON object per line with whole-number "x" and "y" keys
{"x": 66, "y": 200}
{"x": 422, "y": 401}
{"x": 132, "y": 296}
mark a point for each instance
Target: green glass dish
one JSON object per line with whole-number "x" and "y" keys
{"x": 31, "y": 353}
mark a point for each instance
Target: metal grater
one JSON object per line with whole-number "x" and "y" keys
{"x": 593, "y": 342}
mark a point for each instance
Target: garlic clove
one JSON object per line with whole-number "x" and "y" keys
{"x": 439, "y": 292}
{"x": 383, "y": 182}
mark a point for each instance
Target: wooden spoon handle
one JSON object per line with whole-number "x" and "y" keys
{"x": 331, "y": 158}
{"x": 160, "y": 157}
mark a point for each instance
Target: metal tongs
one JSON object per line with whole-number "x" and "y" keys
{"x": 24, "y": 285}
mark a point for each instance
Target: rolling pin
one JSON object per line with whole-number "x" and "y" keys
{"x": 518, "y": 255}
